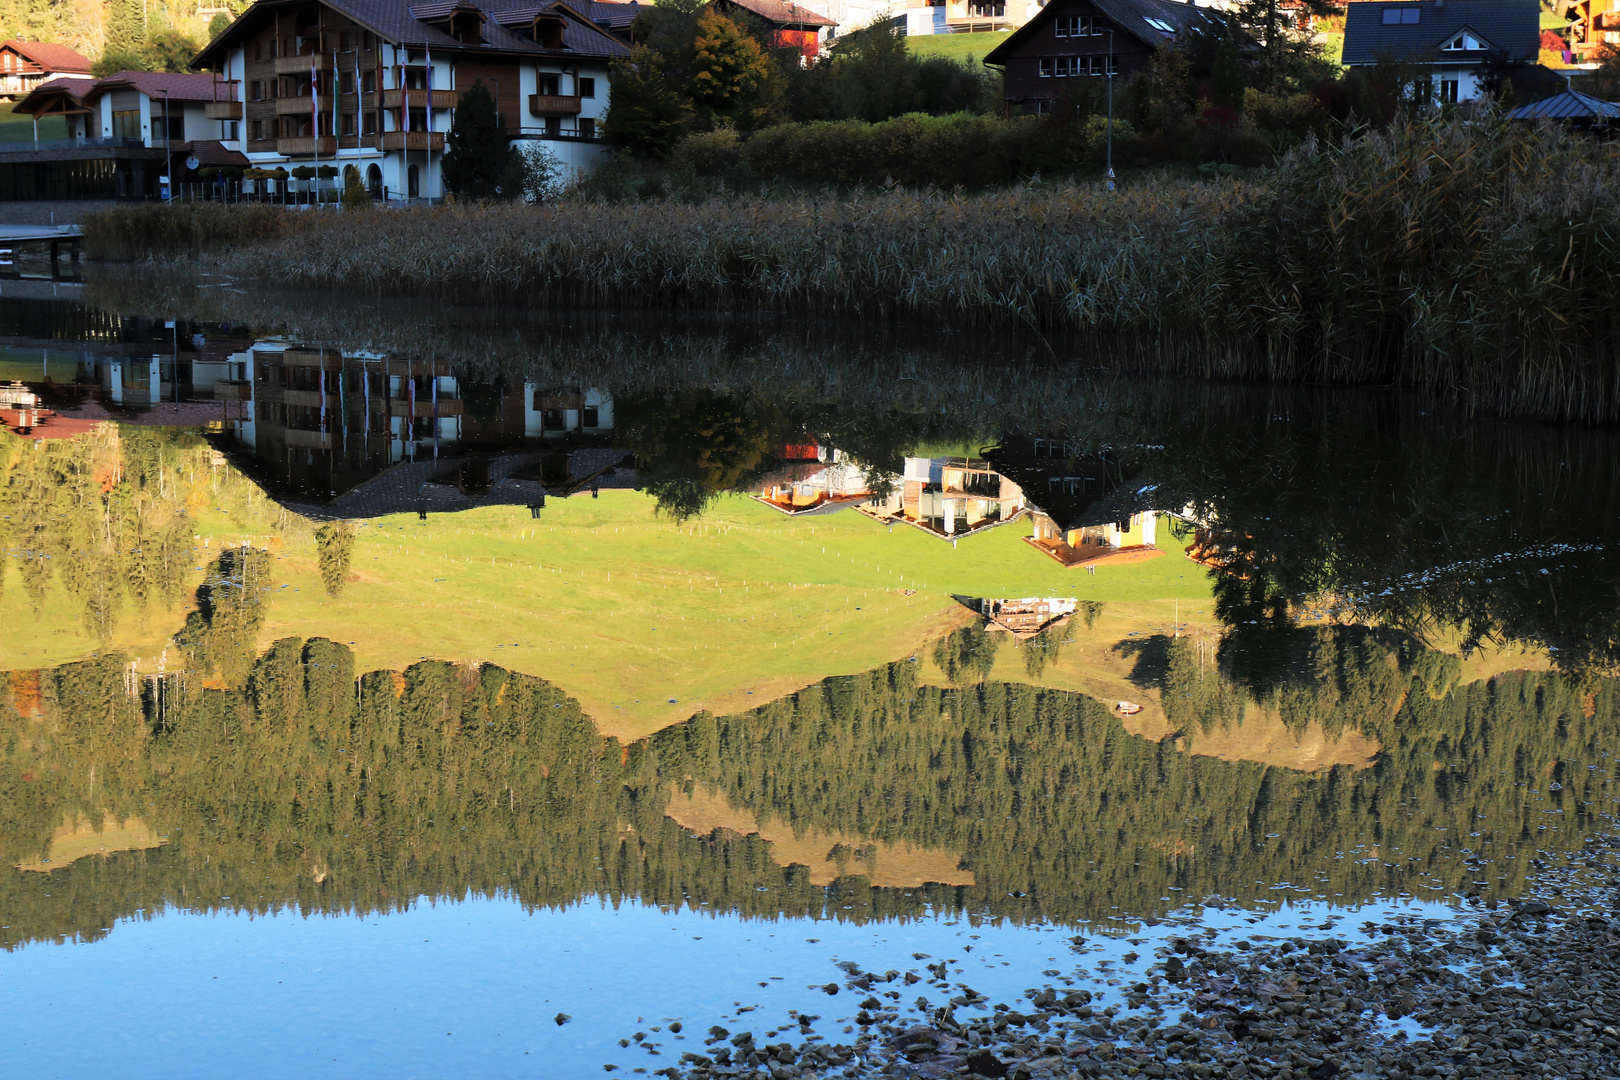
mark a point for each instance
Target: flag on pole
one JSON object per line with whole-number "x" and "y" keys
{"x": 337, "y": 128}
{"x": 430, "y": 94}
{"x": 404, "y": 102}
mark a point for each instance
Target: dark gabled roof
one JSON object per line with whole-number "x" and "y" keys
{"x": 1570, "y": 105}
{"x": 1510, "y": 29}
{"x": 1130, "y": 16}
{"x": 614, "y": 16}
{"x": 49, "y": 55}
{"x": 399, "y": 22}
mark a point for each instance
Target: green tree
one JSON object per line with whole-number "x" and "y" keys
{"x": 169, "y": 50}
{"x": 218, "y": 25}
{"x": 480, "y": 162}
{"x": 126, "y": 29}
{"x": 1226, "y": 80}
{"x": 645, "y": 113}
{"x": 334, "y": 545}
{"x": 876, "y": 76}
{"x": 731, "y": 76}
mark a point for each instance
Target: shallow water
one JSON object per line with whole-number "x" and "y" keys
{"x": 652, "y": 663}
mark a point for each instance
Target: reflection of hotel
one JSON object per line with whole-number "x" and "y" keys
{"x": 1091, "y": 505}
{"x": 1078, "y": 543}
{"x": 324, "y": 420}
{"x": 950, "y": 497}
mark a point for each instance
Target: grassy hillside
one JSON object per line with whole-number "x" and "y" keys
{"x": 955, "y": 46}
{"x": 17, "y": 127}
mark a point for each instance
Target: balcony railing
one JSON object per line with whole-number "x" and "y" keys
{"x": 442, "y": 99}
{"x": 413, "y": 140}
{"x": 296, "y": 106}
{"x": 554, "y": 104}
{"x": 324, "y": 146}
{"x": 297, "y": 65}
{"x": 223, "y": 110}
{"x": 116, "y": 142}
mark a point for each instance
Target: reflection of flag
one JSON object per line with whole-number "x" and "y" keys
{"x": 336, "y": 128}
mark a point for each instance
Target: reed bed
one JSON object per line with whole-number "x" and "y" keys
{"x": 1475, "y": 258}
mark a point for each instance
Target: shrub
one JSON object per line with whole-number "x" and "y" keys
{"x": 705, "y": 153}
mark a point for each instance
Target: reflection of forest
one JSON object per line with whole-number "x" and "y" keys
{"x": 312, "y": 788}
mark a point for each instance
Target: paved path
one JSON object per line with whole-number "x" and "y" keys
{"x": 13, "y": 234}
{"x": 411, "y": 487}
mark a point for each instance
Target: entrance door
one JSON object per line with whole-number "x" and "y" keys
{"x": 374, "y": 181}
{"x": 414, "y": 183}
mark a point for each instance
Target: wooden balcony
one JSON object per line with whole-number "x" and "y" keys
{"x": 413, "y": 140}
{"x": 554, "y": 104}
{"x": 325, "y": 146}
{"x": 223, "y": 110}
{"x": 233, "y": 390}
{"x": 310, "y": 440}
{"x": 298, "y": 106}
{"x": 303, "y": 65}
{"x": 424, "y": 407}
{"x": 442, "y": 99}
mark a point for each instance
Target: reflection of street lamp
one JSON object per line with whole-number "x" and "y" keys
{"x": 1110, "y": 74}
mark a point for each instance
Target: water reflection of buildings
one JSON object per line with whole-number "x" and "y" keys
{"x": 325, "y": 420}
{"x": 813, "y": 478}
{"x": 950, "y": 496}
{"x": 1091, "y": 506}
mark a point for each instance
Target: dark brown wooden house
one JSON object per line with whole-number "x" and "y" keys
{"x": 1088, "y": 39}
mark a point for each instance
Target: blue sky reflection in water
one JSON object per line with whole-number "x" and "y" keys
{"x": 471, "y": 988}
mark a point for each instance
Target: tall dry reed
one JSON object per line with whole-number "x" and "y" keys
{"x": 1472, "y": 257}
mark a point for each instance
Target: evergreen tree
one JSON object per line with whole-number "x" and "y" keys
{"x": 645, "y": 113}
{"x": 480, "y": 162}
{"x": 1226, "y": 80}
{"x": 334, "y": 544}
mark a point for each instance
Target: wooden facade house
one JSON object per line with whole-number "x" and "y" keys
{"x": 1027, "y": 616}
{"x": 372, "y": 85}
{"x": 949, "y": 497}
{"x": 27, "y": 64}
{"x": 1088, "y": 39}
{"x": 1594, "y": 24}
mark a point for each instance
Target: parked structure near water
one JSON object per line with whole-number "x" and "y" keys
{"x": 373, "y": 85}
{"x": 1028, "y": 616}
{"x": 125, "y": 132}
{"x": 811, "y": 478}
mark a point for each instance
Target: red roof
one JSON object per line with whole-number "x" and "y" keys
{"x": 49, "y": 56}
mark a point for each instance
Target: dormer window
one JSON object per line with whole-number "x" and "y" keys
{"x": 1402, "y": 16}
{"x": 1463, "y": 42}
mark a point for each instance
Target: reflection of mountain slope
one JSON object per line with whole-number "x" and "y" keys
{"x": 324, "y": 792}
{"x": 884, "y": 865}
{"x": 81, "y": 837}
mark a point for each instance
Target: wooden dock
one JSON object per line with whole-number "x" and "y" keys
{"x": 14, "y": 236}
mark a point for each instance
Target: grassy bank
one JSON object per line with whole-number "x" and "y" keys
{"x": 1464, "y": 258}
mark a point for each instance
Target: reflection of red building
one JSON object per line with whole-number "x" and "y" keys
{"x": 794, "y": 27}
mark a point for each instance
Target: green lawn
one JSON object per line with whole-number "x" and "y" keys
{"x": 955, "y": 46}
{"x": 17, "y": 127}
{"x": 625, "y": 610}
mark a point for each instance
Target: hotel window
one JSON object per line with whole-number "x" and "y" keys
{"x": 587, "y": 129}
{"x": 126, "y": 123}
{"x": 231, "y": 131}
{"x": 258, "y": 130}
{"x": 987, "y": 10}
{"x": 348, "y": 123}
{"x": 587, "y": 88}
{"x": 546, "y": 85}
{"x": 368, "y": 82}
{"x": 369, "y": 123}
{"x": 553, "y": 126}
{"x": 255, "y": 88}
{"x": 346, "y": 83}
{"x": 345, "y": 42}
{"x": 588, "y": 417}
{"x": 1448, "y": 91}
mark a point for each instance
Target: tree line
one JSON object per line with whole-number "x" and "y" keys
{"x": 316, "y": 788}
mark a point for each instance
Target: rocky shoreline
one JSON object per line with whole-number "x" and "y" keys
{"x": 1529, "y": 988}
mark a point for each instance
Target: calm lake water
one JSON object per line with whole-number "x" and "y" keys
{"x": 395, "y": 693}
